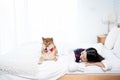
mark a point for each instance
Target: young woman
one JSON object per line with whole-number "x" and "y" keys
{"x": 89, "y": 56}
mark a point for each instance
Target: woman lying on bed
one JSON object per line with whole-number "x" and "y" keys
{"x": 90, "y": 57}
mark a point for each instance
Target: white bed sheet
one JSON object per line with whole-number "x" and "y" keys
{"x": 49, "y": 70}
{"x": 113, "y": 60}
{"x": 11, "y": 77}
{"x": 23, "y": 62}
{"x": 27, "y": 59}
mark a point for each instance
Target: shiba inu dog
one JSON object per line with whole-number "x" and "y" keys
{"x": 48, "y": 50}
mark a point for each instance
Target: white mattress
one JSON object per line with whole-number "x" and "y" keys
{"x": 21, "y": 64}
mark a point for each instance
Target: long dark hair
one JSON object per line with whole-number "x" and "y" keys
{"x": 93, "y": 56}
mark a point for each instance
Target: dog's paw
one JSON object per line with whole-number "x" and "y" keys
{"x": 41, "y": 60}
{"x": 55, "y": 59}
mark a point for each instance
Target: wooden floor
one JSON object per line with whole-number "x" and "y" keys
{"x": 91, "y": 77}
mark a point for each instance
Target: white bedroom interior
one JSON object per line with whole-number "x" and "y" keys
{"x": 67, "y": 21}
{"x": 71, "y": 23}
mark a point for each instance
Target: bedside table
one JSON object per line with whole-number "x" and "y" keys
{"x": 101, "y": 38}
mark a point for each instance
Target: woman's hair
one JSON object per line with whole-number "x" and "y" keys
{"x": 93, "y": 56}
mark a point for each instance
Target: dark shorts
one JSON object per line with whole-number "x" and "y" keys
{"x": 77, "y": 53}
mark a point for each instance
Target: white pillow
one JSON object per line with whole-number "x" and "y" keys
{"x": 111, "y": 38}
{"x": 116, "y": 49}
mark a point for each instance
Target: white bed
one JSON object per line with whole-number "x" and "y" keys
{"x": 22, "y": 63}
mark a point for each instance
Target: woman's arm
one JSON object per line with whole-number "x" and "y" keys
{"x": 105, "y": 65}
{"x": 99, "y": 64}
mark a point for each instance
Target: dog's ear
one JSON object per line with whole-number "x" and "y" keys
{"x": 42, "y": 38}
{"x": 51, "y": 38}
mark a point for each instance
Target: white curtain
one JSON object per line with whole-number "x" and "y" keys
{"x": 7, "y": 25}
{"x": 24, "y": 21}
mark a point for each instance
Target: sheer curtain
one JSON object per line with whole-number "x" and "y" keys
{"x": 25, "y": 21}
{"x": 7, "y": 25}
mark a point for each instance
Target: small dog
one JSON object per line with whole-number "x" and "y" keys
{"x": 48, "y": 50}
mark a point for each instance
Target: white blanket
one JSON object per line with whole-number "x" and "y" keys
{"x": 24, "y": 62}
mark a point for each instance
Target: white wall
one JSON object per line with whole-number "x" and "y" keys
{"x": 78, "y": 21}
{"x": 67, "y": 21}
{"x": 117, "y": 9}
{"x": 24, "y": 21}
{"x": 53, "y": 18}
{"x": 90, "y": 15}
